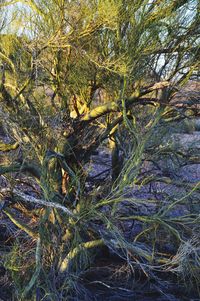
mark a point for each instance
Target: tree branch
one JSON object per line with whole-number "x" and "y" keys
{"x": 31, "y": 199}
{"x": 114, "y": 106}
{"x": 6, "y": 147}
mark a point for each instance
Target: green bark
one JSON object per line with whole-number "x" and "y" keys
{"x": 6, "y": 147}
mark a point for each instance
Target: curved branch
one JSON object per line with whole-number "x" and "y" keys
{"x": 100, "y": 111}
{"x": 72, "y": 254}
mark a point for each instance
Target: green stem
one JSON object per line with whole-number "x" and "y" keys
{"x": 21, "y": 167}
{"x": 37, "y": 270}
{"x": 20, "y": 225}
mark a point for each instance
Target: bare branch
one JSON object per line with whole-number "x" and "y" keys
{"x": 31, "y": 199}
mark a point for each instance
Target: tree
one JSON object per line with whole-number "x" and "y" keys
{"x": 61, "y": 56}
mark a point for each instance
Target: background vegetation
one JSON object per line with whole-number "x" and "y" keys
{"x": 79, "y": 77}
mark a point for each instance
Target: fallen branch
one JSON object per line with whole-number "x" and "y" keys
{"x": 31, "y": 199}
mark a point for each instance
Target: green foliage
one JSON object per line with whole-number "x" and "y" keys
{"x": 74, "y": 75}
